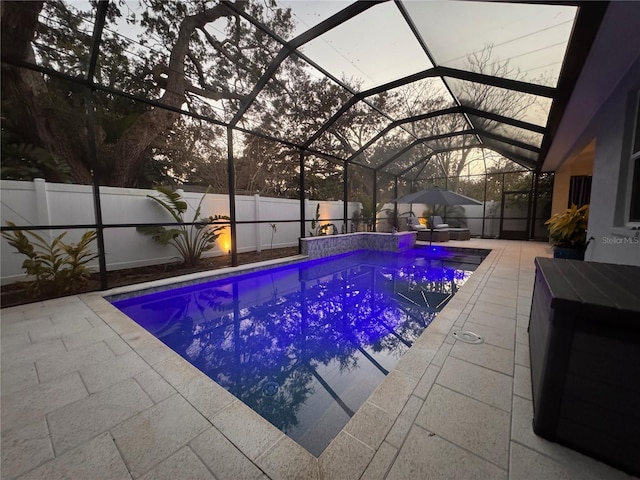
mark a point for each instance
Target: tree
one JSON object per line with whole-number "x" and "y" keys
{"x": 192, "y": 152}
{"x": 491, "y": 99}
{"x": 501, "y": 174}
{"x": 198, "y": 67}
{"x": 213, "y": 60}
{"x": 25, "y": 92}
{"x": 428, "y": 96}
{"x": 205, "y": 58}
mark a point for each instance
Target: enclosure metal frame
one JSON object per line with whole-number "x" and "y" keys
{"x": 588, "y": 19}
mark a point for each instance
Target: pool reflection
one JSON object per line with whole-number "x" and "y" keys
{"x": 304, "y": 345}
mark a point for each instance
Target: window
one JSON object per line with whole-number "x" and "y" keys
{"x": 634, "y": 170}
{"x": 579, "y": 190}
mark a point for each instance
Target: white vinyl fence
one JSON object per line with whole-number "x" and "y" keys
{"x": 42, "y": 203}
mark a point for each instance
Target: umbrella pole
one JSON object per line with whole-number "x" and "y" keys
{"x": 431, "y": 225}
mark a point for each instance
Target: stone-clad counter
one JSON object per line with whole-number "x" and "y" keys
{"x": 323, "y": 246}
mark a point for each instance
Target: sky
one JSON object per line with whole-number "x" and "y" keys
{"x": 378, "y": 45}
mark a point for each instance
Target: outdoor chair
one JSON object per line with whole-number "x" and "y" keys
{"x": 459, "y": 234}
{"x": 435, "y": 232}
{"x": 435, "y": 235}
{"x": 455, "y": 233}
{"x": 414, "y": 224}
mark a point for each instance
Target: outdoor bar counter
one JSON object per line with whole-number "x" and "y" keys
{"x": 584, "y": 339}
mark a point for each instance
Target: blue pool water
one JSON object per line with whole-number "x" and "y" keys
{"x": 304, "y": 345}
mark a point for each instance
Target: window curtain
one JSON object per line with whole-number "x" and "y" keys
{"x": 579, "y": 190}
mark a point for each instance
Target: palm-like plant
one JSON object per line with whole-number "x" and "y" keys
{"x": 315, "y": 222}
{"x": 191, "y": 241}
{"x": 569, "y": 228}
{"x": 58, "y": 267}
{"x": 454, "y": 214}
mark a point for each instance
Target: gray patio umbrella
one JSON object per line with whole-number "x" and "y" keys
{"x": 437, "y": 196}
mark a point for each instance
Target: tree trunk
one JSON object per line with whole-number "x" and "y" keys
{"x": 25, "y": 93}
{"x": 129, "y": 153}
{"x": 130, "y": 149}
{"x": 453, "y": 181}
{"x": 41, "y": 124}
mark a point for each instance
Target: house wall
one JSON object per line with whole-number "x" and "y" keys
{"x": 579, "y": 164}
{"x": 611, "y": 130}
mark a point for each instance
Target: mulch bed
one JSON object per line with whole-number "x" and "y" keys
{"x": 17, "y": 293}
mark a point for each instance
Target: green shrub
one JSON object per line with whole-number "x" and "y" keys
{"x": 569, "y": 228}
{"x": 191, "y": 241}
{"x": 320, "y": 229}
{"x": 58, "y": 267}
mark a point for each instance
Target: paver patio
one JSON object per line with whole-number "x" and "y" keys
{"x": 87, "y": 393}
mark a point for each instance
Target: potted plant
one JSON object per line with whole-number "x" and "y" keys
{"x": 568, "y": 232}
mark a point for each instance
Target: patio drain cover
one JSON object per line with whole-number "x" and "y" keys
{"x": 468, "y": 337}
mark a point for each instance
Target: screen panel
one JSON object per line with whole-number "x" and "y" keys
{"x": 295, "y": 103}
{"x": 508, "y": 103}
{"x": 223, "y": 59}
{"x": 509, "y": 131}
{"x": 370, "y": 49}
{"x": 359, "y": 124}
{"x": 64, "y": 33}
{"x": 515, "y": 41}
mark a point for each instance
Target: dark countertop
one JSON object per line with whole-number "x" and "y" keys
{"x": 597, "y": 290}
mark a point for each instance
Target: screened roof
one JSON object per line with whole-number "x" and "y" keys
{"x": 387, "y": 85}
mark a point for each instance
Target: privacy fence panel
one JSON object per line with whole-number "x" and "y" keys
{"x": 39, "y": 203}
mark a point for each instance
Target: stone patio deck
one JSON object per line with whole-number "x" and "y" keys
{"x": 88, "y": 394}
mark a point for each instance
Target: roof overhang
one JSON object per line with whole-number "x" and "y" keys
{"x": 614, "y": 51}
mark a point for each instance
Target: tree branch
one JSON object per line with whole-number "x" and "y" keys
{"x": 128, "y": 154}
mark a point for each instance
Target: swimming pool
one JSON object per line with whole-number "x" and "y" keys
{"x": 305, "y": 344}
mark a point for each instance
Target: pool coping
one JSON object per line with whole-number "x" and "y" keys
{"x": 194, "y": 278}
{"x": 266, "y": 446}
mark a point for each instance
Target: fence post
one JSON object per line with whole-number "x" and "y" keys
{"x": 306, "y": 211}
{"x": 42, "y": 203}
{"x": 258, "y": 217}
